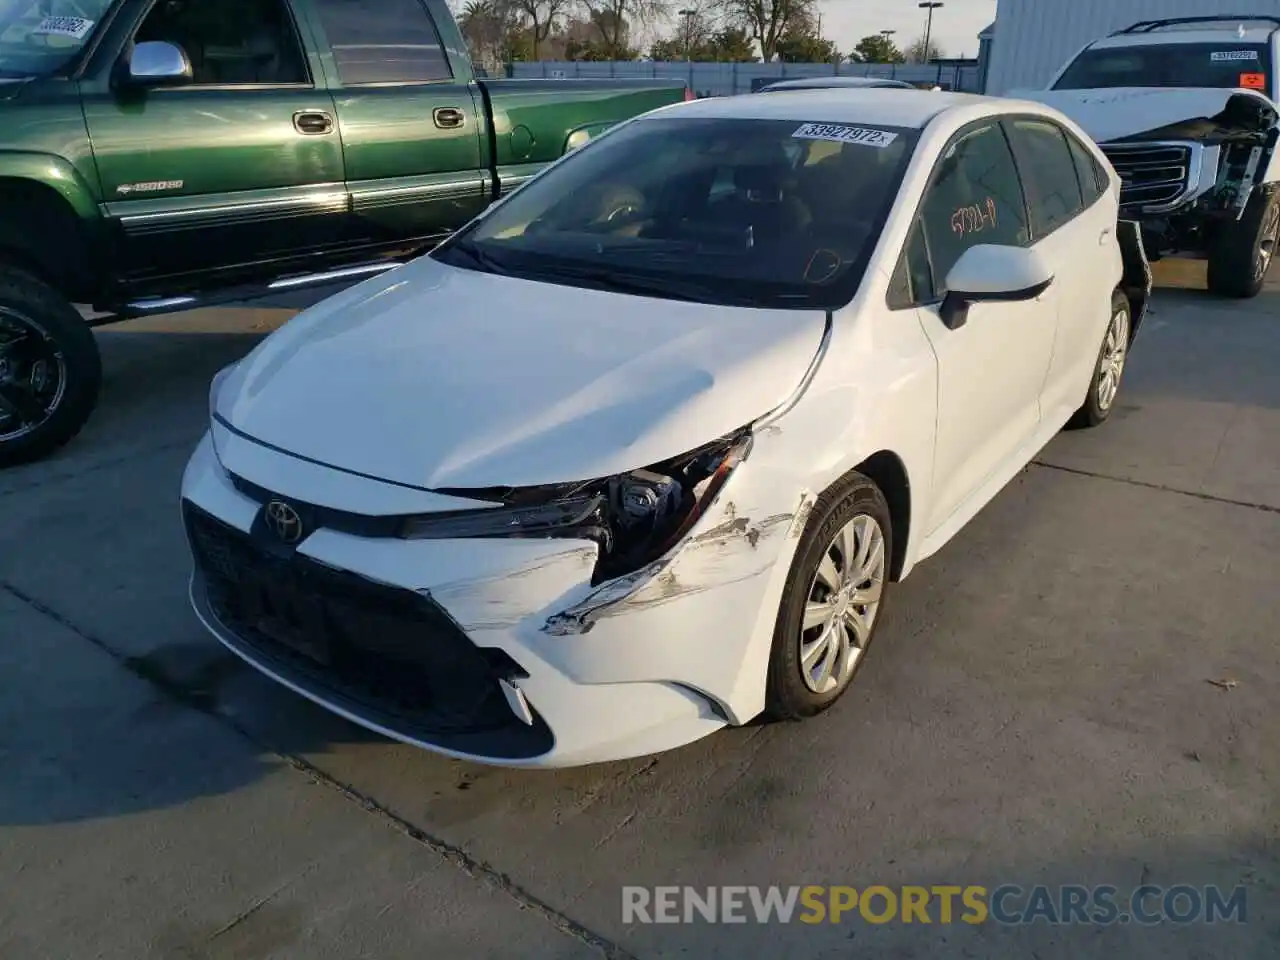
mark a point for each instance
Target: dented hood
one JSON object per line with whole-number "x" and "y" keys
{"x": 437, "y": 376}
{"x": 1128, "y": 112}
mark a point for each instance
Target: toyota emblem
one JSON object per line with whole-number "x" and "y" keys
{"x": 284, "y": 521}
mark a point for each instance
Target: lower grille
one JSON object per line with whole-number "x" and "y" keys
{"x": 1150, "y": 174}
{"x": 393, "y": 651}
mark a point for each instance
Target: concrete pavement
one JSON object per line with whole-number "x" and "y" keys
{"x": 1038, "y": 709}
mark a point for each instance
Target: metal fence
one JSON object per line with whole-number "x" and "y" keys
{"x": 727, "y": 79}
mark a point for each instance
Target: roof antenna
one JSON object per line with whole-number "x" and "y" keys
{"x": 1240, "y": 31}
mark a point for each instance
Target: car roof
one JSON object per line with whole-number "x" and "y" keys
{"x": 1225, "y": 34}
{"x": 818, "y": 83}
{"x": 864, "y": 105}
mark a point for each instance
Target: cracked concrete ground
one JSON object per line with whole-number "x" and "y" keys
{"x": 1038, "y": 709}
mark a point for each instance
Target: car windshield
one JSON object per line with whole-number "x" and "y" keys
{"x": 1221, "y": 65}
{"x": 39, "y": 37}
{"x": 768, "y": 213}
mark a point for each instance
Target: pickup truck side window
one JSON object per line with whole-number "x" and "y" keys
{"x": 231, "y": 43}
{"x": 383, "y": 42}
{"x": 974, "y": 197}
{"x": 1049, "y": 172}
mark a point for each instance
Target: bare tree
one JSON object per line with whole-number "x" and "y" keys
{"x": 767, "y": 20}
{"x": 915, "y": 53}
{"x": 542, "y": 16}
{"x": 613, "y": 19}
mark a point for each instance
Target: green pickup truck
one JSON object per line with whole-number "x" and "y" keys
{"x": 157, "y": 155}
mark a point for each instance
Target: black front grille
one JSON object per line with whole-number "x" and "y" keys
{"x": 392, "y": 651}
{"x": 1150, "y": 175}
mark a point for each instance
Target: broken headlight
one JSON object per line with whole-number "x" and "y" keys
{"x": 635, "y": 517}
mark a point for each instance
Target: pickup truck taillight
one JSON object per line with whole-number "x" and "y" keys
{"x": 688, "y": 94}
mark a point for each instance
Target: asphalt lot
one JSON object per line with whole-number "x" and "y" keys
{"x": 1038, "y": 709}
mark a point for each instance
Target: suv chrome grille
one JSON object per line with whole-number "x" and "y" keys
{"x": 1150, "y": 174}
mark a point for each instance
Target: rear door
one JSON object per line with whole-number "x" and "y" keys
{"x": 1073, "y": 226}
{"x": 225, "y": 170}
{"x": 410, "y": 128}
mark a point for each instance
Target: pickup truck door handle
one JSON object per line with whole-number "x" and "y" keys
{"x": 312, "y": 122}
{"x": 448, "y": 118}
{"x": 1104, "y": 236}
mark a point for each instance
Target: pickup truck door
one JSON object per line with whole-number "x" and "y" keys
{"x": 411, "y": 128}
{"x": 239, "y": 168}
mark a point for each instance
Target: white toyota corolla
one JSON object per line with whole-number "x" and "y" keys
{"x": 636, "y": 454}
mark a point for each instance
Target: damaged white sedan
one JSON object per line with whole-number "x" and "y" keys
{"x": 635, "y": 455}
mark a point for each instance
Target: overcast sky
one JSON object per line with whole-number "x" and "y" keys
{"x": 955, "y": 25}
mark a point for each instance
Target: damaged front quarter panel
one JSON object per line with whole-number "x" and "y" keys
{"x": 730, "y": 546}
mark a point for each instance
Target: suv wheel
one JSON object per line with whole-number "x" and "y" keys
{"x": 50, "y": 370}
{"x": 1242, "y": 252}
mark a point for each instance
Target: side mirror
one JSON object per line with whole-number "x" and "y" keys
{"x": 157, "y": 61}
{"x": 989, "y": 273}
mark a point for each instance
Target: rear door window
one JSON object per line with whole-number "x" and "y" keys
{"x": 1054, "y": 196}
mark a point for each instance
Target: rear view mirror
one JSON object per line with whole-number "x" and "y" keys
{"x": 157, "y": 61}
{"x": 993, "y": 273}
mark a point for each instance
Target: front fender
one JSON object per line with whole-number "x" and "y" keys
{"x": 55, "y": 173}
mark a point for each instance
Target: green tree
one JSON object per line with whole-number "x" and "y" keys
{"x": 766, "y": 21}
{"x": 877, "y": 48}
{"x": 804, "y": 46}
{"x": 730, "y": 45}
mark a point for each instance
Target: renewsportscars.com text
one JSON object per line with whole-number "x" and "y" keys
{"x": 1007, "y": 904}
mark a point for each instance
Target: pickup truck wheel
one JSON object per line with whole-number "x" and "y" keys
{"x": 50, "y": 370}
{"x": 1242, "y": 253}
{"x": 1104, "y": 385}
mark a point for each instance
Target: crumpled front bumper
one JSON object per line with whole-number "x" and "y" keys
{"x": 631, "y": 667}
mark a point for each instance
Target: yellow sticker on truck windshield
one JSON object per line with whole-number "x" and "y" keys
{"x": 839, "y": 133}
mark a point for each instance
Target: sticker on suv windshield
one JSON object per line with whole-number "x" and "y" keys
{"x": 839, "y": 133}
{"x": 1230, "y": 56}
{"x": 75, "y": 27}
{"x": 1253, "y": 81}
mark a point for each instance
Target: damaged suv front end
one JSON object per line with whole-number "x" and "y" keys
{"x": 1187, "y": 119}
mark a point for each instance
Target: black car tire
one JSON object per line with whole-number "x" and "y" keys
{"x": 29, "y": 303}
{"x": 1241, "y": 253}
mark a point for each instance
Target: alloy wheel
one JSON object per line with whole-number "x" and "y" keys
{"x": 33, "y": 375}
{"x": 1115, "y": 351}
{"x": 843, "y": 600}
{"x": 1267, "y": 240}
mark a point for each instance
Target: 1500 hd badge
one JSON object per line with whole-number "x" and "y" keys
{"x": 150, "y": 187}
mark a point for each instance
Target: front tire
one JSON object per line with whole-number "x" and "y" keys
{"x": 832, "y": 601}
{"x": 1242, "y": 252}
{"x": 1104, "y": 385}
{"x": 50, "y": 369}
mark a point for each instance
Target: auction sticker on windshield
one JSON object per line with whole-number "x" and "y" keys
{"x": 1229, "y": 56}
{"x": 75, "y": 27}
{"x": 839, "y": 133}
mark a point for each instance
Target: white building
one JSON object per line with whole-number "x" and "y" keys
{"x": 1033, "y": 38}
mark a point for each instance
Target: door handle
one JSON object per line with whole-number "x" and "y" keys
{"x": 448, "y": 118}
{"x": 312, "y": 122}
{"x": 1103, "y": 237}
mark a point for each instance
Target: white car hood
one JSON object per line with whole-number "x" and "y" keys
{"x": 1115, "y": 113}
{"x": 437, "y": 376}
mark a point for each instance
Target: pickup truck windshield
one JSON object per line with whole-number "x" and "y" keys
{"x": 762, "y": 213}
{"x": 1222, "y": 65}
{"x": 39, "y": 37}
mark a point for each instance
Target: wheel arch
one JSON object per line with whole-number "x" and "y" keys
{"x": 43, "y": 231}
{"x": 887, "y": 471}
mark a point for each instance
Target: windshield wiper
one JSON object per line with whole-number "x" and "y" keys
{"x": 666, "y": 287}
{"x": 478, "y": 257}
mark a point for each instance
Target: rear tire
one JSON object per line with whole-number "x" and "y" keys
{"x": 1241, "y": 254}
{"x": 1108, "y": 370}
{"x": 836, "y": 586}
{"x": 50, "y": 369}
